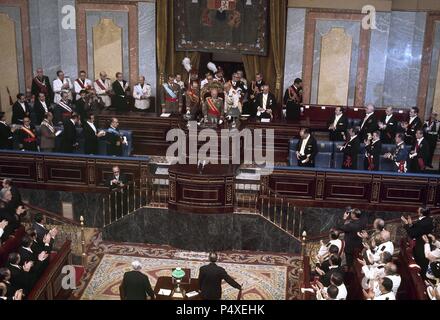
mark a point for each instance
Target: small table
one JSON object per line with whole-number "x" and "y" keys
{"x": 167, "y": 283}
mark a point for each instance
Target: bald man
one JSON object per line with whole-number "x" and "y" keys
{"x": 103, "y": 88}
{"x": 142, "y": 94}
{"x": 41, "y": 84}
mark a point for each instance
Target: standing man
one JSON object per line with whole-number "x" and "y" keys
{"x": 369, "y": 124}
{"x": 193, "y": 100}
{"x": 63, "y": 110}
{"x": 373, "y": 149}
{"x": 48, "y": 134}
{"x": 432, "y": 130}
{"x": 117, "y": 180}
{"x": 115, "y": 139}
{"x": 416, "y": 230}
{"x": 69, "y": 141}
{"x": 293, "y": 99}
{"x": 213, "y": 108}
{"x": 20, "y": 109}
{"x": 306, "y": 149}
{"x": 338, "y": 125}
{"x": 27, "y": 138}
{"x": 256, "y": 88}
{"x": 211, "y": 277}
{"x": 412, "y": 125}
{"x": 399, "y": 155}
{"x": 171, "y": 97}
{"x": 81, "y": 106}
{"x": 388, "y": 127}
{"x": 41, "y": 108}
{"x": 119, "y": 88}
{"x": 82, "y": 83}
{"x": 5, "y": 133}
{"x": 265, "y": 103}
{"x": 419, "y": 155}
{"x": 62, "y": 84}
{"x": 103, "y": 88}
{"x": 91, "y": 135}
{"x": 354, "y": 222}
{"x": 351, "y": 150}
{"x": 142, "y": 94}
{"x": 136, "y": 285}
{"x": 41, "y": 84}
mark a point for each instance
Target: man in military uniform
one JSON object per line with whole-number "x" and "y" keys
{"x": 213, "y": 108}
{"x": 399, "y": 155}
{"x": 27, "y": 138}
{"x": 193, "y": 100}
{"x": 171, "y": 97}
{"x": 432, "y": 130}
{"x": 373, "y": 150}
{"x": 351, "y": 150}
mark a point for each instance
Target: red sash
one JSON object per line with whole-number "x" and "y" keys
{"x": 80, "y": 83}
{"x": 370, "y": 163}
{"x": 31, "y": 135}
{"x": 41, "y": 86}
{"x": 100, "y": 85}
{"x": 401, "y": 168}
{"x": 212, "y": 108}
{"x": 348, "y": 162}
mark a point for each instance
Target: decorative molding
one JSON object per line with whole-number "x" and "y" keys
{"x": 83, "y": 6}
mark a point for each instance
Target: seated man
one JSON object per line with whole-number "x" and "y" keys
{"x": 135, "y": 284}
{"x": 265, "y": 103}
{"x": 211, "y": 277}
{"x": 399, "y": 155}
{"x": 117, "y": 180}
{"x": 306, "y": 149}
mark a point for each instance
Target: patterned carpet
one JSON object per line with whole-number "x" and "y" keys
{"x": 264, "y": 276}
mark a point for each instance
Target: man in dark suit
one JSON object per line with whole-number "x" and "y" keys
{"x": 373, "y": 149}
{"x": 416, "y": 230}
{"x": 119, "y": 88}
{"x": 136, "y": 285}
{"x": 80, "y": 106}
{"x": 41, "y": 231}
{"x": 265, "y": 103}
{"x": 369, "y": 123}
{"x": 412, "y": 125}
{"x": 115, "y": 139}
{"x": 306, "y": 149}
{"x": 351, "y": 150}
{"x": 39, "y": 259}
{"x": 22, "y": 275}
{"x": 41, "y": 107}
{"x": 91, "y": 135}
{"x": 41, "y": 84}
{"x": 338, "y": 125}
{"x": 20, "y": 109}
{"x": 8, "y": 184}
{"x": 388, "y": 127}
{"x": 354, "y": 222}
{"x": 211, "y": 277}
{"x": 117, "y": 179}
{"x": 6, "y": 136}
{"x": 69, "y": 139}
{"x": 419, "y": 155}
{"x": 13, "y": 215}
{"x": 334, "y": 267}
{"x": 432, "y": 132}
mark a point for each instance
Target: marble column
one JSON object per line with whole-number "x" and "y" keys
{"x": 296, "y": 19}
{"x": 147, "y": 43}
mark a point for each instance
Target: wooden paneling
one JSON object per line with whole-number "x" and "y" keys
{"x": 334, "y": 188}
{"x": 67, "y": 173}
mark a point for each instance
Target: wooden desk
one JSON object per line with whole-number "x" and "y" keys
{"x": 167, "y": 283}
{"x": 209, "y": 192}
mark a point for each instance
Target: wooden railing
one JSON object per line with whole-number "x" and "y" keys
{"x": 49, "y": 284}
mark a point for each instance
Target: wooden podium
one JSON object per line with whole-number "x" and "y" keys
{"x": 207, "y": 191}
